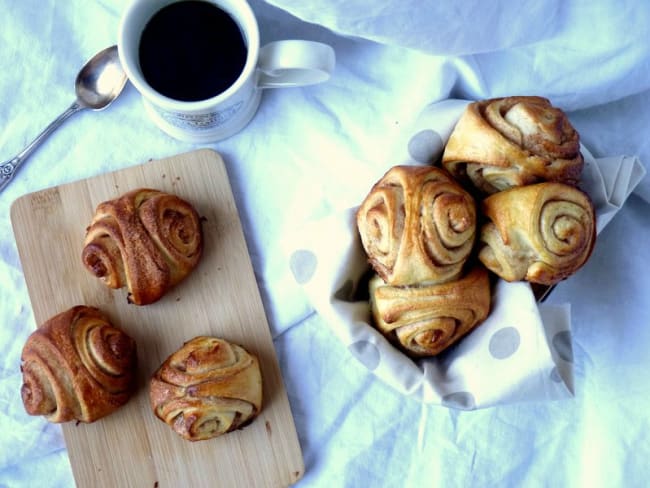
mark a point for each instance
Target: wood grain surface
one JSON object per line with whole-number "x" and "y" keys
{"x": 132, "y": 447}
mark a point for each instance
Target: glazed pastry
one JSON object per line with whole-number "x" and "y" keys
{"x": 145, "y": 240}
{"x": 541, "y": 233}
{"x": 77, "y": 366}
{"x": 207, "y": 388}
{"x": 506, "y": 142}
{"x": 424, "y": 320}
{"x": 417, "y": 225}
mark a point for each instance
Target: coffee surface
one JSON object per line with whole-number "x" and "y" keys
{"x": 191, "y": 50}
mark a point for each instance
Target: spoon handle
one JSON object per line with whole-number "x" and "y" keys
{"x": 8, "y": 169}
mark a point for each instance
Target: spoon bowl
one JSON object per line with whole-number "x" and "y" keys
{"x": 97, "y": 85}
{"x": 101, "y": 80}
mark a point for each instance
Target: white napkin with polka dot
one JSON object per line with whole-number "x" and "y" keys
{"x": 522, "y": 352}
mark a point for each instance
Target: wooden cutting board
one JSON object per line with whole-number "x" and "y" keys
{"x": 132, "y": 447}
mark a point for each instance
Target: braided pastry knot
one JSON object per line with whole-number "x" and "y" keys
{"x": 540, "y": 233}
{"x": 146, "y": 240}
{"x": 417, "y": 225}
{"x": 77, "y": 366}
{"x": 207, "y": 388}
{"x": 501, "y": 143}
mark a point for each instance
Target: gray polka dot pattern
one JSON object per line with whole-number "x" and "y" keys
{"x": 425, "y": 146}
{"x": 555, "y": 376}
{"x": 367, "y": 353}
{"x": 303, "y": 265}
{"x": 463, "y": 400}
{"x": 562, "y": 344}
{"x": 504, "y": 343}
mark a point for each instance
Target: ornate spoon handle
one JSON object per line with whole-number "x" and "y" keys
{"x": 8, "y": 169}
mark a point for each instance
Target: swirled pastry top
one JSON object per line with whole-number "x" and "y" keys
{"x": 540, "y": 233}
{"x": 514, "y": 141}
{"x": 146, "y": 240}
{"x": 424, "y": 320}
{"x": 77, "y": 365}
{"x": 417, "y": 225}
{"x": 207, "y": 388}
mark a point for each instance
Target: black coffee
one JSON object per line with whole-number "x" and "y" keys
{"x": 191, "y": 50}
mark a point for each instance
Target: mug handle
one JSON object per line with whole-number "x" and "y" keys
{"x": 294, "y": 63}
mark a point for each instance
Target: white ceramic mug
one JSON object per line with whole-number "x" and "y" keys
{"x": 286, "y": 63}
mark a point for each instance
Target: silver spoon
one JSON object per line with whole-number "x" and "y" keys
{"x": 98, "y": 83}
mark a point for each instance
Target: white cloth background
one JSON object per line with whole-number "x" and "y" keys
{"x": 310, "y": 152}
